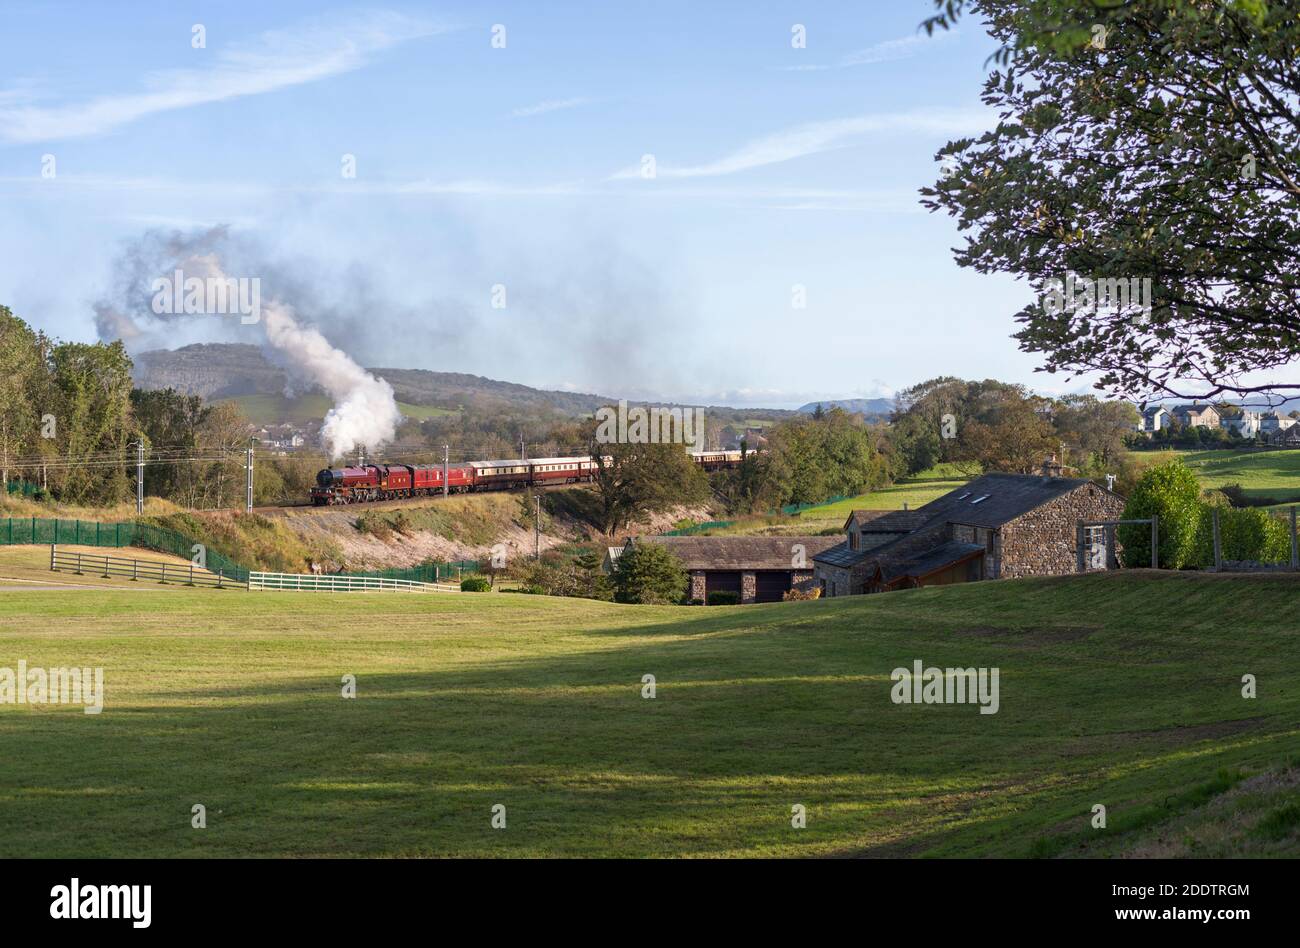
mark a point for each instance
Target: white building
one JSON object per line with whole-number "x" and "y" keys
{"x": 1246, "y": 424}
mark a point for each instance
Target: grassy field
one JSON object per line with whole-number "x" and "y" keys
{"x": 276, "y": 409}
{"x": 1273, "y": 474}
{"x": 232, "y": 700}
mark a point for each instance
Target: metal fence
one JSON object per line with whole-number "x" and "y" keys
{"x": 45, "y": 530}
{"x": 312, "y": 582}
{"x": 92, "y": 564}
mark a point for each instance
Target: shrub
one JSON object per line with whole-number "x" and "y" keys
{"x": 475, "y": 584}
{"x": 723, "y": 597}
{"x": 647, "y": 573}
{"x": 1168, "y": 491}
{"x": 800, "y": 595}
{"x": 1249, "y": 534}
{"x": 375, "y": 524}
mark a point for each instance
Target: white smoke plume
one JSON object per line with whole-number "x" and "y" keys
{"x": 365, "y": 409}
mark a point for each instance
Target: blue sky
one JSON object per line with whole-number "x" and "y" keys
{"x": 521, "y": 166}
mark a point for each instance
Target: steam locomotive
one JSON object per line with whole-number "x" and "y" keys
{"x": 373, "y": 482}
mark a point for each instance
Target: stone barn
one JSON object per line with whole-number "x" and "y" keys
{"x": 995, "y": 527}
{"x": 758, "y": 569}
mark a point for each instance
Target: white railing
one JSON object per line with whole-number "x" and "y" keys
{"x": 311, "y": 582}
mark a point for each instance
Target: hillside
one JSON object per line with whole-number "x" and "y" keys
{"x": 222, "y": 371}
{"x": 865, "y": 406}
{"x": 218, "y": 370}
{"x": 1120, "y": 689}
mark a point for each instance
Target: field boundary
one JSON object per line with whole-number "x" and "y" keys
{"x": 337, "y": 582}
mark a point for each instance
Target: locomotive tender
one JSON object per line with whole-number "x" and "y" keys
{"x": 373, "y": 482}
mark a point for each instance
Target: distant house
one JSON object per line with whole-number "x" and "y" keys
{"x": 1196, "y": 415}
{"x": 758, "y": 569}
{"x": 1246, "y": 424}
{"x": 1287, "y": 437}
{"x": 1272, "y": 423}
{"x": 996, "y": 526}
{"x": 1154, "y": 418}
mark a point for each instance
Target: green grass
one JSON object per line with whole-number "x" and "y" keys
{"x": 276, "y": 409}
{"x": 1274, "y": 474}
{"x": 1120, "y": 689}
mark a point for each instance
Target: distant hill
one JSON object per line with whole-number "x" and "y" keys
{"x": 219, "y": 371}
{"x": 863, "y": 406}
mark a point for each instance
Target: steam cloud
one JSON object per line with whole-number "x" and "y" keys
{"x": 365, "y": 408}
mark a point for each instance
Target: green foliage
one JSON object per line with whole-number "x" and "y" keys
{"x": 1169, "y": 491}
{"x": 647, "y": 574}
{"x": 1135, "y": 158}
{"x": 635, "y": 480}
{"x": 723, "y": 597}
{"x": 475, "y": 584}
{"x": 1252, "y": 535}
{"x": 814, "y": 457}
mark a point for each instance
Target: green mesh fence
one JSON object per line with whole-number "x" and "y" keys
{"x": 23, "y": 488}
{"x": 44, "y": 530}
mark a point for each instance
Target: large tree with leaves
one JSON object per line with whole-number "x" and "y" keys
{"x": 1141, "y": 139}
{"x": 634, "y": 480}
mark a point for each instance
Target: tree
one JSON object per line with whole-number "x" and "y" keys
{"x": 634, "y": 480}
{"x": 1170, "y": 492}
{"x": 1094, "y": 429}
{"x": 21, "y": 373}
{"x": 91, "y": 393}
{"x": 1145, "y": 140}
{"x": 647, "y": 574}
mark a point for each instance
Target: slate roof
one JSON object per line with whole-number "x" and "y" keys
{"x": 990, "y": 500}
{"x": 896, "y": 521}
{"x": 740, "y": 553}
{"x": 841, "y": 555}
{"x": 928, "y": 562}
{"x": 865, "y": 517}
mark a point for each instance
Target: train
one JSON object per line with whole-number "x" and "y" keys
{"x": 367, "y": 483}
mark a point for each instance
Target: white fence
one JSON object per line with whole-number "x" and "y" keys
{"x": 310, "y": 582}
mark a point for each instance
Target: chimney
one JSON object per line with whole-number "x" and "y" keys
{"x": 1050, "y": 467}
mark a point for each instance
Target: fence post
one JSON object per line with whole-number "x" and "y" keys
{"x": 1218, "y": 548}
{"x": 163, "y": 581}
{"x": 78, "y": 564}
{"x": 106, "y": 567}
{"x": 219, "y": 578}
{"x": 1295, "y": 552}
{"x": 1155, "y": 541}
{"x": 52, "y": 546}
{"x": 191, "y": 573}
{"x": 135, "y": 570}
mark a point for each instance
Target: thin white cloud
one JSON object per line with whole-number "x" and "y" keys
{"x": 888, "y": 51}
{"x": 814, "y": 137}
{"x": 550, "y": 105}
{"x": 274, "y": 60}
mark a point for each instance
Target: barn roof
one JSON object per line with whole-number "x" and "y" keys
{"x": 922, "y": 565}
{"x": 995, "y": 499}
{"x": 741, "y": 553}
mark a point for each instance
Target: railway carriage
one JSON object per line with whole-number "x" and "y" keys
{"x": 372, "y": 482}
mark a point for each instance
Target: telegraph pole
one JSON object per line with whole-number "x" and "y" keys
{"x": 248, "y": 483}
{"x": 523, "y": 455}
{"x": 446, "y": 490}
{"x": 139, "y": 475}
{"x": 537, "y": 530}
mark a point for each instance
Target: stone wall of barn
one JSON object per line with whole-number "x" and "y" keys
{"x": 1043, "y": 541}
